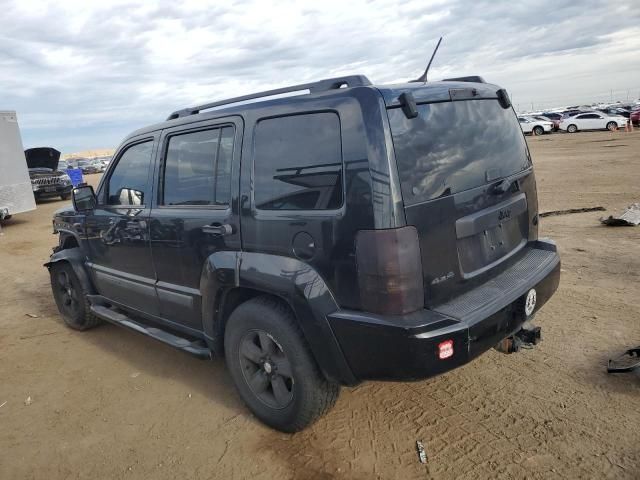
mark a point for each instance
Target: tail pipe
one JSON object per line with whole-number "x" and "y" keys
{"x": 528, "y": 336}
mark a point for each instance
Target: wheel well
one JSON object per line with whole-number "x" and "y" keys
{"x": 68, "y": 241}
{"x": 232, "y": 299}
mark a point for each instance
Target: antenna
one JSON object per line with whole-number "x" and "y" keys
{"x": 423, "y": 78}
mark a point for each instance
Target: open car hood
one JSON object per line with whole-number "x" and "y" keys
{"x": 42, "y": 157}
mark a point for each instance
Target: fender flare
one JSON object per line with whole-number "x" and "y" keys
{"x": 66, "y": 233}
{"x": 76, "y": 258}
{"x": 219, "y": 274}
{"x": 293, "y": 281}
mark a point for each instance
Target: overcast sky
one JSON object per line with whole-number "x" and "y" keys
{"x": 81, "y": 75}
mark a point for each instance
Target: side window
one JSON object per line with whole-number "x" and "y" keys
{"x": 222, "y": 187}
{"x": 128, "y": 182}
{"x": 197, "y": 168}
{"x": 298, "y": 162}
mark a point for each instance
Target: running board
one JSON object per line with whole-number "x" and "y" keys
{"x": 111, "y": 316}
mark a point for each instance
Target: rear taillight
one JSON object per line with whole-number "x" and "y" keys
{"x": 390, "y": 270}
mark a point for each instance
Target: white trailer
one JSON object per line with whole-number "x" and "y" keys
{"x": 16, "y": 193}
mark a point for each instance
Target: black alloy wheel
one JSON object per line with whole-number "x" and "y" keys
{"x": 68, "y": 294}
{"x": 266, "y": 369}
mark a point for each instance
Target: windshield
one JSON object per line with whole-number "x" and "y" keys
{"x": 454, "y": 146}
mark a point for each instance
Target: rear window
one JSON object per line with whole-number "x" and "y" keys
{"x": 454, "y": 146}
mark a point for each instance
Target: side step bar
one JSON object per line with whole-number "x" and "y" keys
{"x": 194, "y": 348}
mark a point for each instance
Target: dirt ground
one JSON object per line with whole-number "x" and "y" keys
{"x": 110, "y": 403}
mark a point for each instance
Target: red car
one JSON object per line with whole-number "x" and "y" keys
{"x": 635, "y": 115}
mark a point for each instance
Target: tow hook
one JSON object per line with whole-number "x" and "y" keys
{"x": 526, "y": 337}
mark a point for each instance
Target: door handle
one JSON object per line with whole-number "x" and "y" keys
{"x": 221, "y": 230}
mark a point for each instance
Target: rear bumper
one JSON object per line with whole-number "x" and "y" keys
{"x": 406, "y": 347}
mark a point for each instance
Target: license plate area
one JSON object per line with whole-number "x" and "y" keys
{"x": 491, "y": 235}
{"x": 50, "y": 188}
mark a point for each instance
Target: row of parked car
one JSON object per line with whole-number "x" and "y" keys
{"x": 574, "y": 120}
{"x": 87, "y": 165}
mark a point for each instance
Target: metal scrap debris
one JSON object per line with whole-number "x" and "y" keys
{"x": 32, "y": 315}
{"x": 629, "y": 218}
{"x": 28, "y": 401}
{"x": 627, "y": 362}
{"x": 553, "y": 213}
{"x": 422, "y": 454}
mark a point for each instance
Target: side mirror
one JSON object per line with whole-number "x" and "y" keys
{"x": 83, "y": 198}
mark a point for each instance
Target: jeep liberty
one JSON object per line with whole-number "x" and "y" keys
{"x": 350, "y": 232}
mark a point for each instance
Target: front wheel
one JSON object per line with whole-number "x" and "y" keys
{"x": 611, "y": 126}
{"x": 272, "y": 367}
{"x": 71, "y": 298}
{"x": 572, "y": 129}
{"x": 538, "y": 130}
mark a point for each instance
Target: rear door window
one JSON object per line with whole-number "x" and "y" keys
{"x": 298, "y": 162}
{"x": 455, "y": 146}
{"x": 197, "y": 168}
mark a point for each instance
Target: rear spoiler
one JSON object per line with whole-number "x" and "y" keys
{"x": 471, "y": 78}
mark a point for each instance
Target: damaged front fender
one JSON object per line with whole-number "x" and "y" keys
{"x": 76, "y": 258}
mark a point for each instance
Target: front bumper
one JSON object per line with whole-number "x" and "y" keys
{"x": 405, "y": 347}
{"x": 52, "y": 190}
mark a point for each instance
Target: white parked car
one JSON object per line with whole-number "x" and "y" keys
{"x": 535, "y": 126}
{"x": 592, "y": 121}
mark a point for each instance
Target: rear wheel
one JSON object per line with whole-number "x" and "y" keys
{"x": 572, "y": 128}
{"x": 538, "y": 130}
{"x": 611, "y": 126}
{"x": 71, "y": 298}
{"x": 272, "y": 367}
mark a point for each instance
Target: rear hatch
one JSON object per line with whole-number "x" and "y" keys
{"x": 467, "y": 186}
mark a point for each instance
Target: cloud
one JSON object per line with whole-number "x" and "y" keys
{"x": 83, "y": 75}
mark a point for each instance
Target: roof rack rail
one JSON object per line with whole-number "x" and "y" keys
{"x": 313, "y": 87}
{"x": 471, "y": 78}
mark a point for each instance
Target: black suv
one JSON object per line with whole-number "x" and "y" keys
{"x": 346, "y": 233}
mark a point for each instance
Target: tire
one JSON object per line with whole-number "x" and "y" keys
{"x": 272, "y": 367}
{"x": 538, "y": 130}
{"x": 71, "y": 298}
{"x": 572, "y": 128}
{"x": 612, "y": 126}
{"x": 65, "y": 196}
